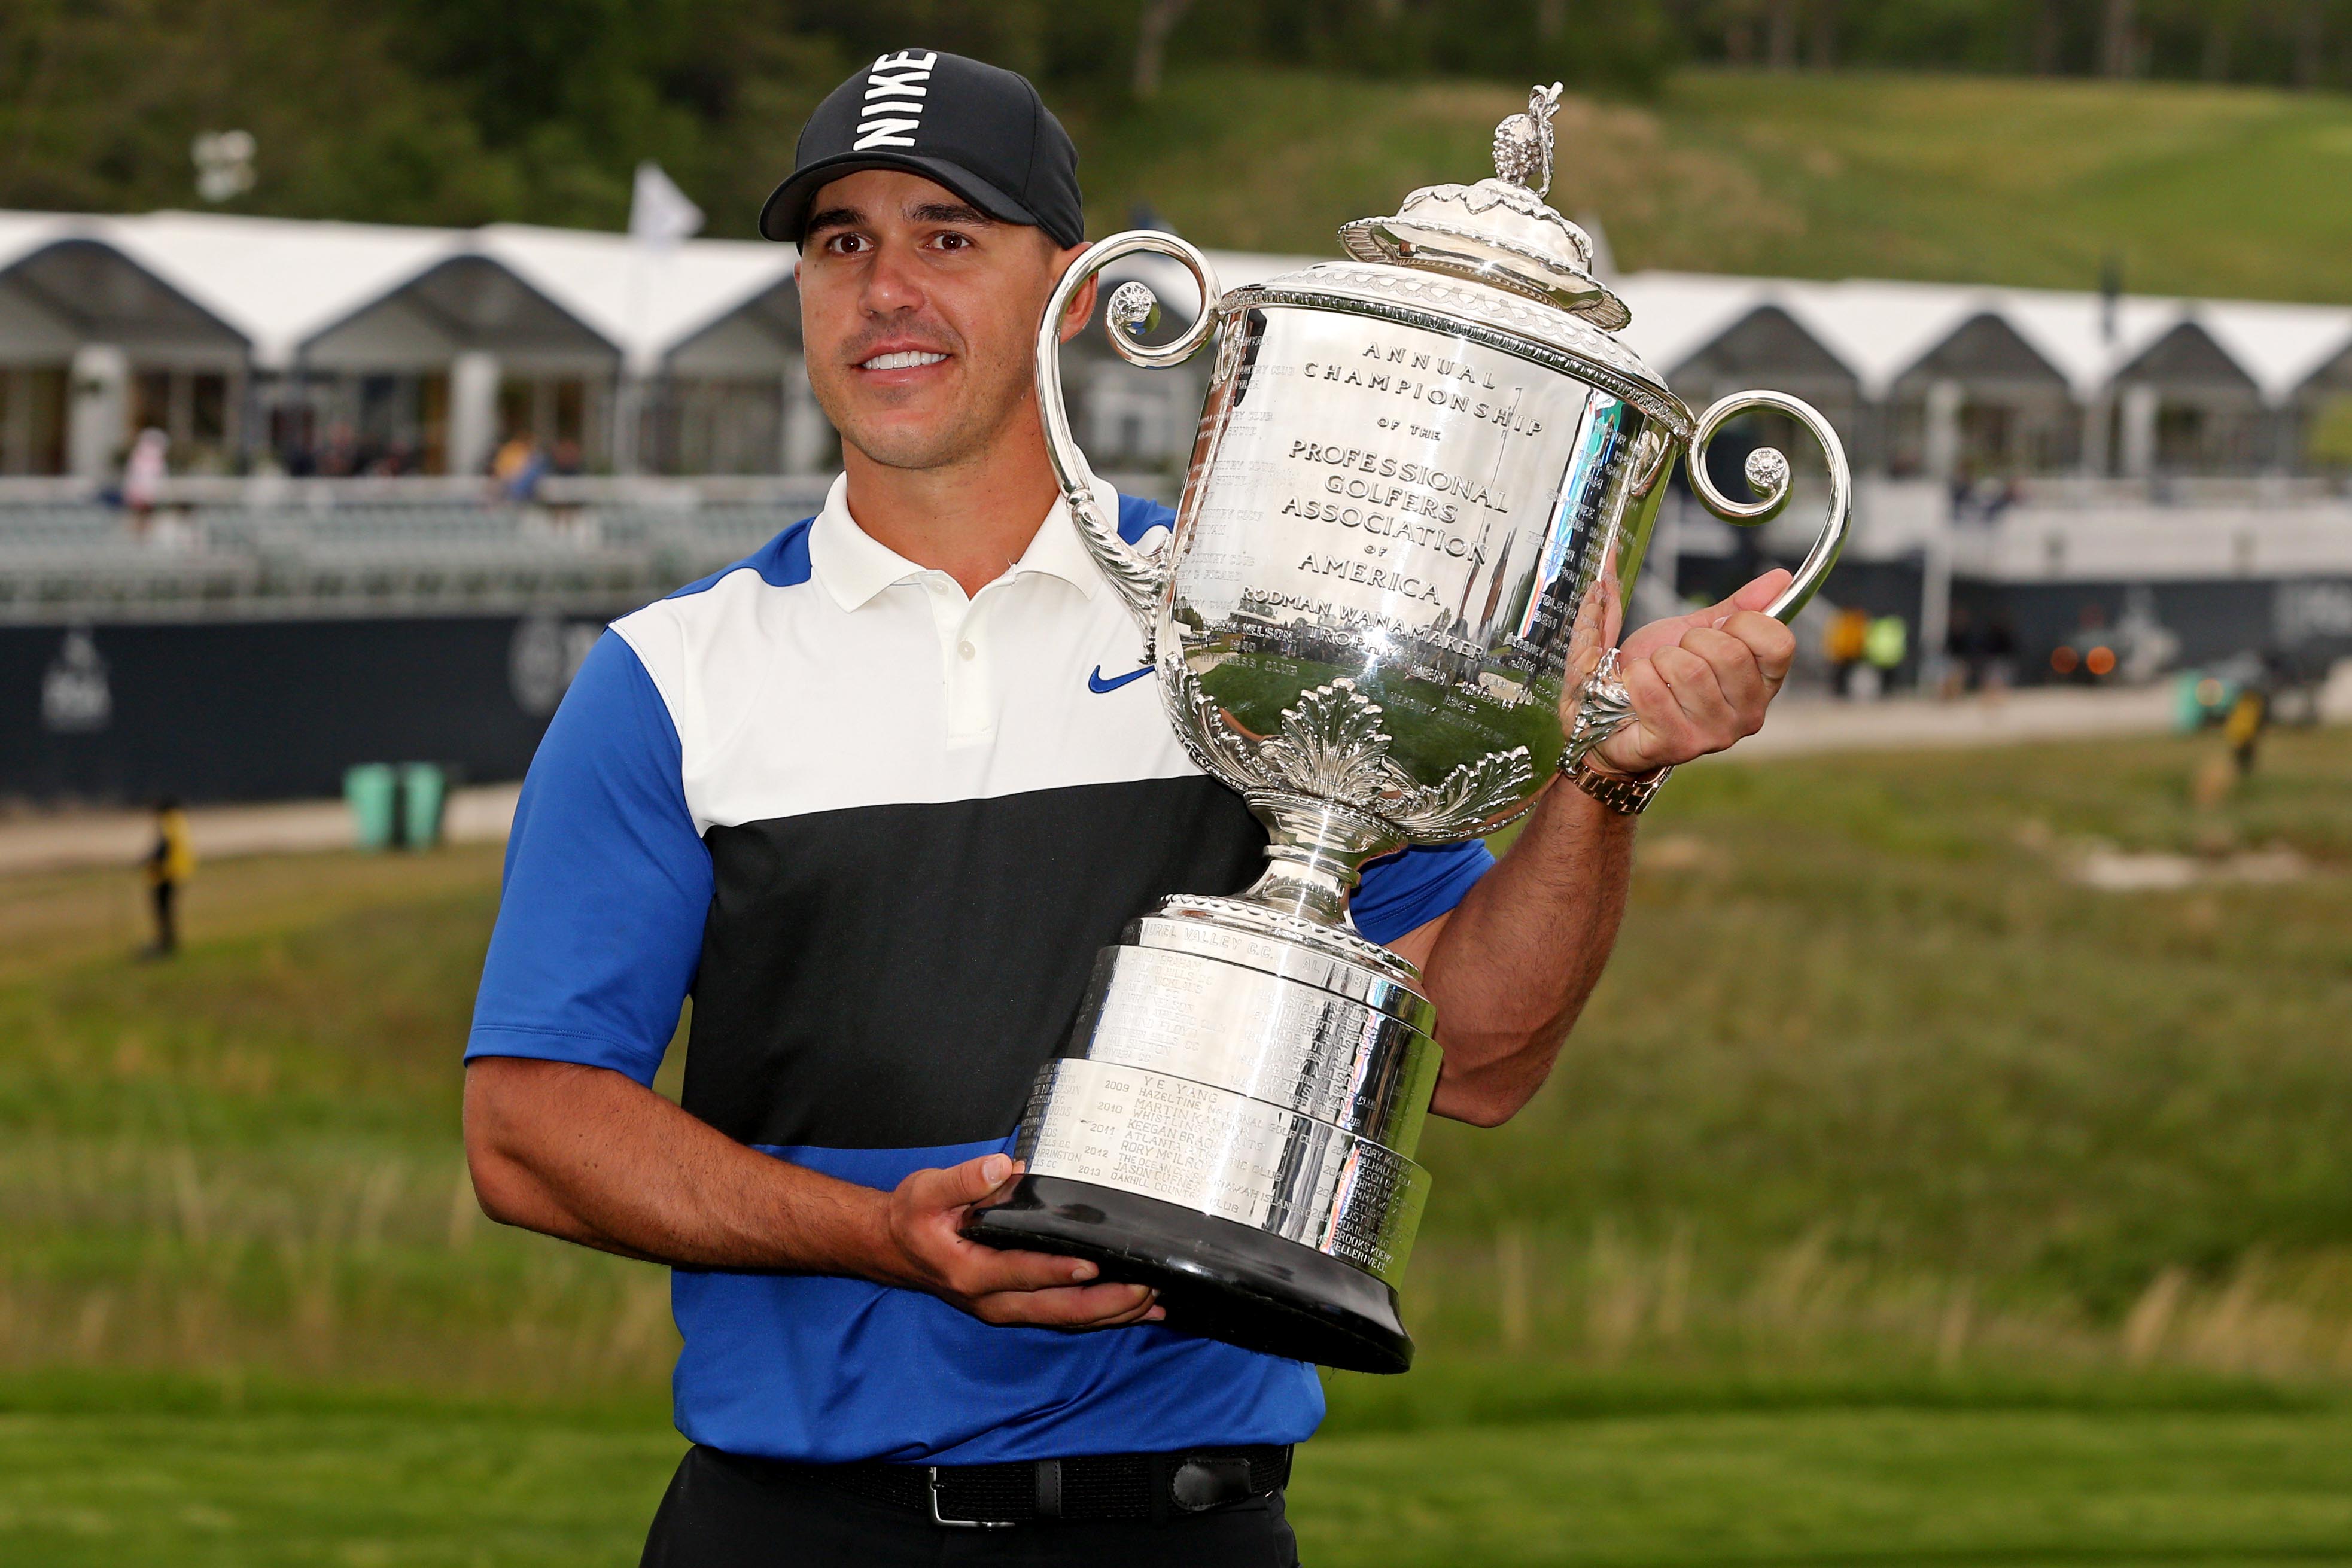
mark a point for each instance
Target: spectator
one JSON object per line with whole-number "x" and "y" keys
{"x": 145, "y": 472}
{"x": 1886, "y": 644}
{"x": 1842, "y": 644}
{"x": 2000, "y": 655}
{"x": 518, "y": 468}
{"x": 1963, "y": 655}
{"x": 170, "y": 864}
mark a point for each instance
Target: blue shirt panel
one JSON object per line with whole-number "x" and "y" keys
{"x": 828, "y": 1370}
{"x": 607, "y": 883}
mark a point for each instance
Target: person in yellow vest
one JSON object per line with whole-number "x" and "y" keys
{"x": 2249, "y": 716}
{"x": 1849, "y": 631}
{"x": 169, "y": 863}
{"x": 1886, "y": 644}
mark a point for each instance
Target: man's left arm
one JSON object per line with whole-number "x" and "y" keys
{"x": 1511, "y": 966}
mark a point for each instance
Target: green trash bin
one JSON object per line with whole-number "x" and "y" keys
{"x": 424, "y": 791}
{"x": 371, "y": 791}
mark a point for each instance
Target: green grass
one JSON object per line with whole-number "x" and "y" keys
{"x": 2211, "y": 192}
{"x": 1898, "y": 1199}
{"x": 392, "y": 1484}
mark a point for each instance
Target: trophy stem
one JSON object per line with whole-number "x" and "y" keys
{"x": 1318, "y": 849}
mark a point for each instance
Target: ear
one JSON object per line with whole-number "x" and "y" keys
{"x": 1081, "y": 310}
{"x": 1082, "y": 304}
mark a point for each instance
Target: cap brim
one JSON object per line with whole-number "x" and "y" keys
{"x": 785, "y": 215}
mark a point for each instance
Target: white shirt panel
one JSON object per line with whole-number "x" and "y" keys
{"x": 787, "y": 703}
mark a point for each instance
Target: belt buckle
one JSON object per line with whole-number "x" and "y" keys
{"x": 940, "y": 1519}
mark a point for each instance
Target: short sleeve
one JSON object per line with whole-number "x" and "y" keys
{"x": 1404, "y": 891}
{"x": 607, "y": 883}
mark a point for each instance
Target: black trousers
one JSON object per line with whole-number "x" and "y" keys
{"x": 726, "y": 1511}
{"x": 167, "y": 930}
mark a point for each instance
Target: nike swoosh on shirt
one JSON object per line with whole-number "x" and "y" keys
{"x": 1096, "y": 683}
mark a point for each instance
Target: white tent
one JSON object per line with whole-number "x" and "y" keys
{"x": 271, "y": 300}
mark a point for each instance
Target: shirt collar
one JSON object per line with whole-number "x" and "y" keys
{"x": 854, "y": 566}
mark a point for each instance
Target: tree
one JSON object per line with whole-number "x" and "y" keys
{"x": 1159, "y": 19}
{"x": 2120, "y": 40}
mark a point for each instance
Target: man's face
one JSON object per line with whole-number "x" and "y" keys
{"x": 919, "y": 314}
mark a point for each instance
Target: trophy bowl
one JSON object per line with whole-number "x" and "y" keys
{"x": 1423, "y": 481}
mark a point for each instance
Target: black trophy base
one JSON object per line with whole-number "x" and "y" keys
{"x": 1216, "y": 1277}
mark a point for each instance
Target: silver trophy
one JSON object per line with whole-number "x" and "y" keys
{"x": 1424, "y": 482}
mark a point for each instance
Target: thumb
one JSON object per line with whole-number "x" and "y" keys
{"x": 957, "y": 1185}
{"x": 1755, "y": 596}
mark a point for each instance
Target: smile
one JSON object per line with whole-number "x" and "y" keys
{"x": 906, "y": 359}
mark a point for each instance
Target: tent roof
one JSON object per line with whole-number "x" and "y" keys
{"x": 282, "y": 282}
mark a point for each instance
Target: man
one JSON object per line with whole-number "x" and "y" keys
{"x": 875, "y": 796}
{"x": 168, "y": 863}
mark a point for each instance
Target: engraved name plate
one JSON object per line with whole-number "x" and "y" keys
{"x": 1262, "y": 1035}
{"x": 1222, "y": 1154}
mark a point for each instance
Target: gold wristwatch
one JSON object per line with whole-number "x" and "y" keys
{"x": 1626, "y": 795}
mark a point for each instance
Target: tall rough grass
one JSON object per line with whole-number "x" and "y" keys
{"x": 1871, "y": 1087}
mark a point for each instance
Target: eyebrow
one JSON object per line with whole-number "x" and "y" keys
{"x": 929, "y": 212}
{"x": 950, "y": 213}
{"x": 831, "y": 218}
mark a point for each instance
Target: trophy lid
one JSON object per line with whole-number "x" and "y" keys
{"x": 1499, "y": 231}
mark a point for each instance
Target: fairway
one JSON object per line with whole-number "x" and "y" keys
{"x": 1899, "y": 1198}
{"x": 417, "y": 1488}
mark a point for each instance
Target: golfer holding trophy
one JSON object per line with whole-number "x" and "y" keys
{"x": 1083, "y": 904}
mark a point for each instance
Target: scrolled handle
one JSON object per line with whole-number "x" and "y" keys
{"x": 1136, "y": 576}
{"x": 1767, "y": 473}
{"x": 1606, "y": 707}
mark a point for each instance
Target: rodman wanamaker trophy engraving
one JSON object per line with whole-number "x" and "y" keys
{"x": 1423, "y": 481}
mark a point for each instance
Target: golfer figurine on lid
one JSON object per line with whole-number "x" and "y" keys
{"x": 1389, "y": 610}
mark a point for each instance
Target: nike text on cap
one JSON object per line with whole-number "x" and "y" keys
{"x": 982, "y": 132}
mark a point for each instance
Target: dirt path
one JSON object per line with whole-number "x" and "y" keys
{"x": 56, "y": 842}
{"x": 481, "y": 814}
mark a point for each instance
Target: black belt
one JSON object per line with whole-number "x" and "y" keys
{"x": 1093, "y": 1486}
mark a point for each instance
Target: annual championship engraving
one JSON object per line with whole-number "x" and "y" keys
{"x": 1425, "y": 479}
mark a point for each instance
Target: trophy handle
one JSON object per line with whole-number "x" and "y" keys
{"x": 1607, "y": 707}
{"x": 1139, "y": 577}
{"x": 1768, "y": 476}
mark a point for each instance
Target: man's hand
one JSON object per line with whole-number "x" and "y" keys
{"x": 924, "y": 1251}
{"x": 1702, "y": 681}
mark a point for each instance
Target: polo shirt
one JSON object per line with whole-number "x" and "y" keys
{"x": 879, "y": 831}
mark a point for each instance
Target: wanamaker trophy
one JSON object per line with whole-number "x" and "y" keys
{"x": 1425, "y": 479}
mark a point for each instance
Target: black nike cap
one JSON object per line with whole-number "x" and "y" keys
{"x": 979, "y": 131}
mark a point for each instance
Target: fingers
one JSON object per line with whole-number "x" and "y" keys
{"x": 957, "y": 1187}
{"x": 1670, "y": 630}
{"x": 1087, "y": 1307}
{"x": 1772, "y": 643}
{"x": 1703, "y": 708}
{"x": 1737, "y": 673}
{"x": 1001, "y": 1286}
{"x": 1701, "y": 693}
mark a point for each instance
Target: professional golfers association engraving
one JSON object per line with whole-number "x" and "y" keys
{"x": 1424, "y": 480}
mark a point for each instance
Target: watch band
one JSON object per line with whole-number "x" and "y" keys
{"x": 1628, "y": 797}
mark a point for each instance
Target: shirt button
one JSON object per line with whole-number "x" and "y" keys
{"x": 967, "y": 650}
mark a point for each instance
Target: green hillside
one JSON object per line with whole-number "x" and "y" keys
{"x": 2214, "y": 192}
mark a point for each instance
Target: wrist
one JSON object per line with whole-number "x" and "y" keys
{"x": 1627, "y": 794}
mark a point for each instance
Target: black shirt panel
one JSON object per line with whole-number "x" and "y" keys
{"x": 892, "y": 976}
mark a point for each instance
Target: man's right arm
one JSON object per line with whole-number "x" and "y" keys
{"x": 589, "y": 1155}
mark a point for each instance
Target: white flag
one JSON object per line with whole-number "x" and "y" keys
{"x": 659, "y": 213}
